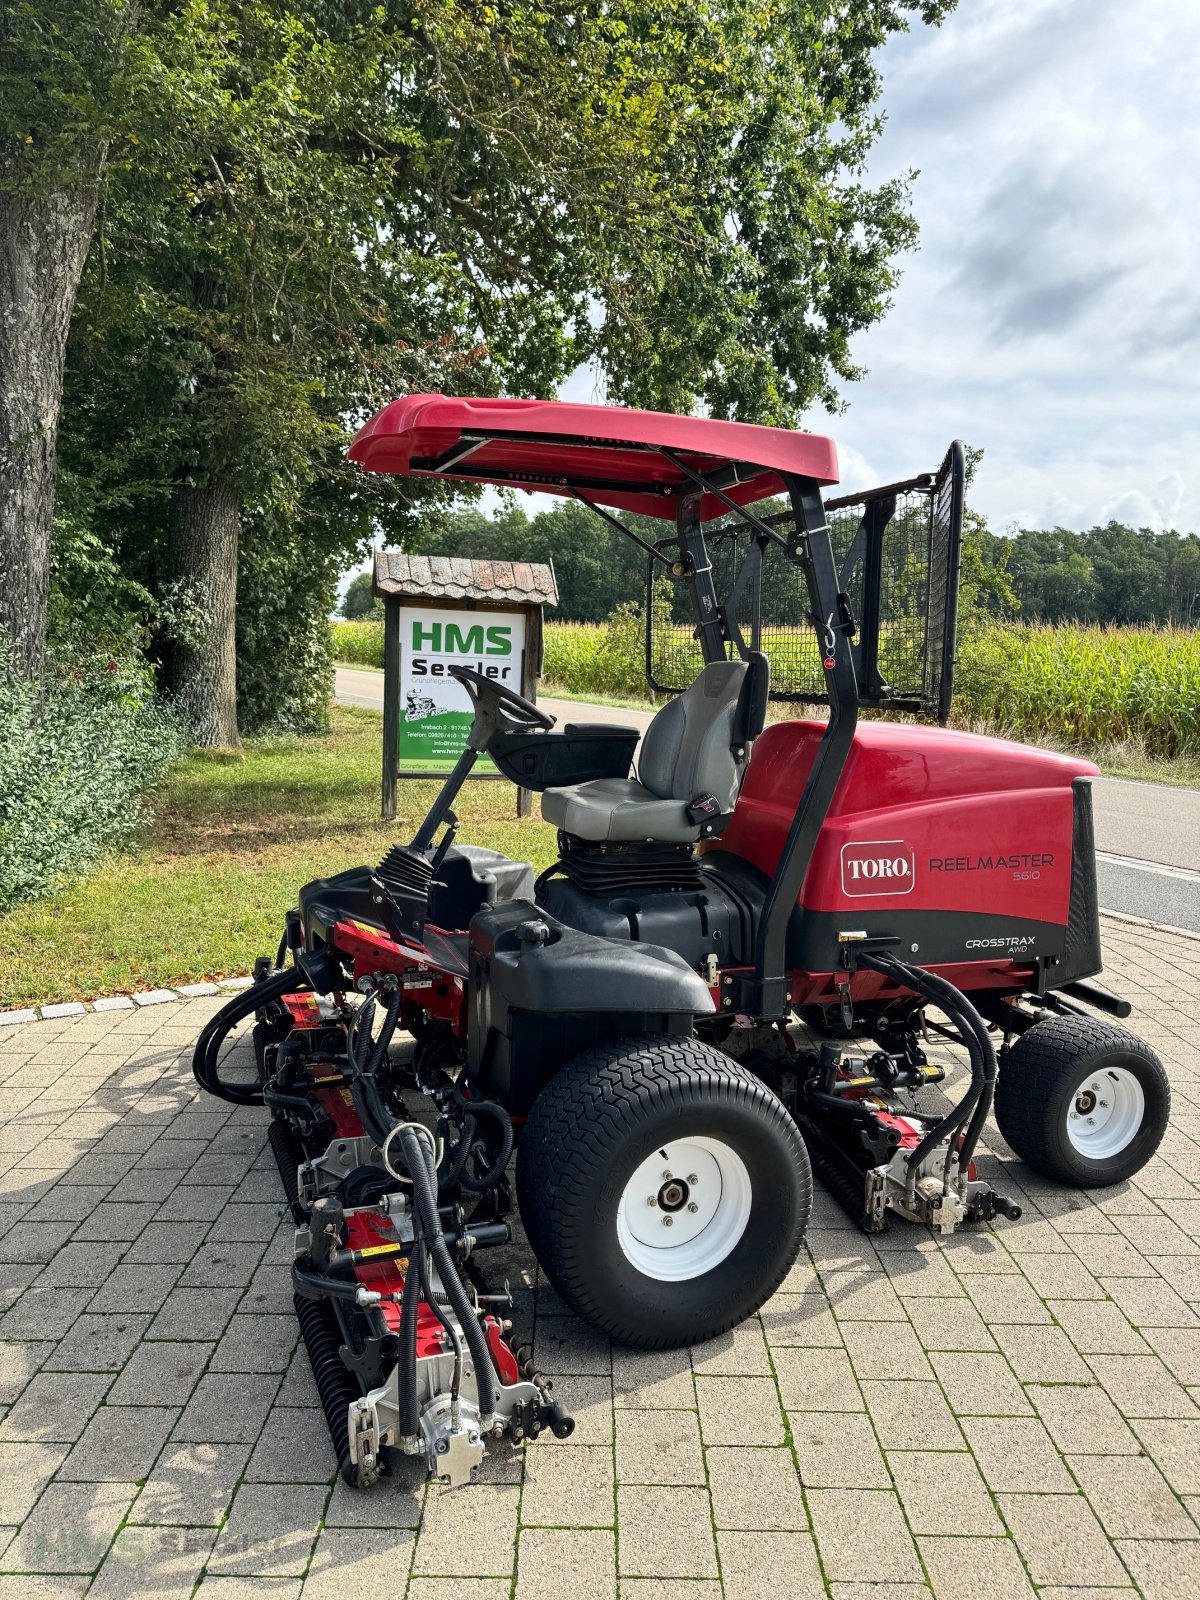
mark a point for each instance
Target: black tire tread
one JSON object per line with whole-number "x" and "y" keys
{"x": 1049, "y": 1053}
{"x": 585, "y": 1108}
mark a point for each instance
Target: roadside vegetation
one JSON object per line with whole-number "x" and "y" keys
{"x": 1129, "y": 697}
{"x": 204, "y": 887}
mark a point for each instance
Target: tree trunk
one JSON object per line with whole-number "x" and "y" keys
{"x": 205, "y": 526}
{"x": 43, "y": 246}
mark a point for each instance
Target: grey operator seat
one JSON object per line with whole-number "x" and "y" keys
{"x": 696, "y": 747}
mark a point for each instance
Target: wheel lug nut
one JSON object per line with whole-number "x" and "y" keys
{"x": 666, "y": 1177}
{"x": 692, "y": 1206}
{"x": 667, "y": 1222}
{"x": 650, "y": 1200}
{"x": 692, "y": 1178}
{"x": 1091, "y": 1122}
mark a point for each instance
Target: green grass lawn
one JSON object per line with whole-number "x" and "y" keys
{"x": 204, "y": 887}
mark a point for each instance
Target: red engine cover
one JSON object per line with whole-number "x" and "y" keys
{"x": 923, "y": 818}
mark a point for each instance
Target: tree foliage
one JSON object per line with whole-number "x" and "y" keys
{"x": 331, "y": 203}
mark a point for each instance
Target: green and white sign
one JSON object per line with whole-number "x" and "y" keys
{"x": 435, "y": 709}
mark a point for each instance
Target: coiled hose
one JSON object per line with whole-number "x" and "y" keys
{"x": 973, "y": 1108}
{"x": 206, "y": 1056}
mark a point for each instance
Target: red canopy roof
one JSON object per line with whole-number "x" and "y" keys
{"x": 606, "y": 453}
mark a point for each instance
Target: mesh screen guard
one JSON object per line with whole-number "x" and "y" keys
{"x": 897, "y": 550}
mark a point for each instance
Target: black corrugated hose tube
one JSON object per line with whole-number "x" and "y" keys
{"x": 206, "y": 1056}
{"x": 419, "y": 1160}
{"x": 977, "y": 1101}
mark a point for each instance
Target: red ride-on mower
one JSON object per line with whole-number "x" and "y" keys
{"x": 631, "y": 1021}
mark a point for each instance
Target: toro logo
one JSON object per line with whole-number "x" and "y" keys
{"x": 878, "y": 867}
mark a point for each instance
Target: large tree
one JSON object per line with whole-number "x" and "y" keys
{"x": 64, "y": 85}
{"x": 355, "y": 198}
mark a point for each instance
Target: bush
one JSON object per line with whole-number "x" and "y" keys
{"x": 359, "y": 644}
{"x": 78, "y": 749}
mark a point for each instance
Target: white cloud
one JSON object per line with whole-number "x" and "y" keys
{"x": 1051, "y": 314}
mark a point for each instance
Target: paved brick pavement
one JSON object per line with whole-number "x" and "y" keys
{"x": 994, "y": 1416}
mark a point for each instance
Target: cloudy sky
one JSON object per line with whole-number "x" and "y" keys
{"x": 1052, "y": 312}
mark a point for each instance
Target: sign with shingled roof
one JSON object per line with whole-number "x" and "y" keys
{"x": 441, "y": 610}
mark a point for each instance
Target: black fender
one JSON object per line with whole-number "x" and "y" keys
{"x": 541, "y": 992}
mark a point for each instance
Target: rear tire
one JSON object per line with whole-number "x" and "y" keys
{"x": 673, "y": 1121}
{"x": 1082, "y": 1101}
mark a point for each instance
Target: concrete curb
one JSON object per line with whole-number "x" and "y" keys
{"x": 123, "y": 1002}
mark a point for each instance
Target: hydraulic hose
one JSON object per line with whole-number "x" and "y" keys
{"x": 206, "y": 1056}
{"x": 981, "y": 1054}
{"x": 497, "y": 1114}
{"x": 420, "y": 1166}
{"x": 391, "y": 1015}
{"x": 408, "y": 1420}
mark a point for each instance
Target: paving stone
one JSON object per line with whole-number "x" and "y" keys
{"x": 68, "y": 1202}
{"x": 160, "y": 1374}
{"x": 354, "y": 1561}
{"x": 164, "y": 1244}
{"x": 1042, "y": 1354}
{"x": 1060, "y": 1539}
{"x": 120, "y": 1443}
{"x": 70, "y": 1529}
{"x": 64, "y": 1008}
{"x": 878, "y": 1591}
{"x": 456, "y": 1589}
{"x": 112, "y": 1221}
{"x": 755, "y": 1564}
{"x": 911, "y": 1415}
{"x": 755, "y": 1490}
{"x": 134, "y": 1288}
{"x": 942, "y": 1492}
{"x": 25, "y": 1470}
{"x": 244, "y": 1223}
{"x": 963, "y": 1568}
{"x": 861, "y": 1536}
{"x": 396, "y": 1501}
{"x": 227, "y": 1408}
{"x": 666, "y": 1533}
{"x": 817, "y": 1380}
{"x": 740, "y": 1353}
{"x": 1164, "y": 1569}
{"x": 193, "y": 1203}
{"x": 980, "y": 1385}
{"x": 256, "y": 1344}
{"x": 222, "y": 1266}
{"x": 950, "y": 1325}
{"x": 154, "y": 997}
{"x": 270, "y": 1531}
{"x": 468, "y": 1532}
{"x": 192, "y": 1483}
{"x": 1082, "y": 1419}
{"x": 113, "y": 1002}
{"x": 1131, "y": 1498}
{"x": 1175, "y": 1446}
{"x": 802, "y": 1319}
{"x": 1098, "y": 1327}
{"x": 294, "y": 1447}
{"x": 545, "y": 1554}
{"x": 739, "y": 1411}
{"x": 1053, "y": 1278}
{"x": 1140, "y": 1386}
{"x": 863, "y": 1296}
{"x": 565, "y": 1345}
{"x": 575, "y": 1494}
{"x": 1017, "y": 1453}
{"x": 837, "y": 1452}
{"x": 659, "y": 1447}
{"x": 20, "y": 1360}
{"x": 54, "y": 1407}
{"x": 194, "y": 1314}
{"x": 153, "y": 1564}
{"x": 590, "y": 1403}
{"x": 885, "y": 1350}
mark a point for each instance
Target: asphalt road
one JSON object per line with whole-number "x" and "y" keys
{"x": 1147, "y": 834}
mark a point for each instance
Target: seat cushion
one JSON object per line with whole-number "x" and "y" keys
{"x": 618, "y": 808}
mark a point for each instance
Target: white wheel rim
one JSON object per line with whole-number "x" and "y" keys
{"x": 684, "y": 1209}
{"x": 1105, "y": 1113}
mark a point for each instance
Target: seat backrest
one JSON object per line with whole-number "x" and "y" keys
{"x": 688, "y": 749}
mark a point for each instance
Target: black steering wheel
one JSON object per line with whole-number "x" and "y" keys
{"x": 497, "y": 707}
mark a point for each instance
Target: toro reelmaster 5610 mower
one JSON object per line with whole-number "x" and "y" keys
{"x": 631, "y": 1021}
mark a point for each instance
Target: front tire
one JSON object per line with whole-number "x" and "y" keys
{"x": 664, "y": 1189}
{"x": 1082, "y": 1101}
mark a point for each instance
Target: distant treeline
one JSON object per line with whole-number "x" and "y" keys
{"x": 1112, "y": 573}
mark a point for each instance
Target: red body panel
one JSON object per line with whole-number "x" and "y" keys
{"x": 593, "y": 445}
{"x": 923, "y": 818}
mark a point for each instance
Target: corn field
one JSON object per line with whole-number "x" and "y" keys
{"x": 1074, "y": 684}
